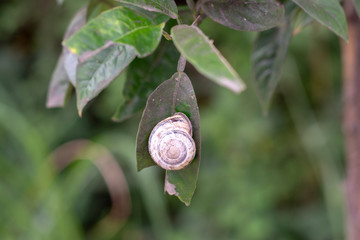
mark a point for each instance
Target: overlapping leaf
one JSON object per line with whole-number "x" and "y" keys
{"x": 167, "y": 7}
{"x": 96, "y": 7}
{"x": 96, "y": 73}
{"x": 328, "y": 13}
{"x": 143, "y": 76}
{"x": 245, "y": 15}
{"x": 200, "y": 52}
{"x": 173, "y": 95}
{"x": 60, "y": 86}
{"x": 118, "y": 25}
{"x": 65, "y": 70}
{"x": 302, "y": 20}
{"x": 268, "y": 56}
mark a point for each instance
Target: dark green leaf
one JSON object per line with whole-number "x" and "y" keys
{"x": 328, "y": 13}
{"x": 200, "y": 52}
{"x": 97, "y": 72}
{"x": 173, "y": 95}
{"x": 60, "y": 86}
{"x": 268, "y": 57}
{"x": 167, "y": 7}
{"x": 357, "y": 6}
{"x": 154, "y": 17}
{"x": 118, "y": 25}
{"x": 143, "y": 76}
{"x": 245, "y": 15}
{"x": 96, "y": 7}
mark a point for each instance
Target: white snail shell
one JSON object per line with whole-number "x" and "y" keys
{"x": 171, "y": 145}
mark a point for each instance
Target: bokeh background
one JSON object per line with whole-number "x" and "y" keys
{"x": 276, "y": 177}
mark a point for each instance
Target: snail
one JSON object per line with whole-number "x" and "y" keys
{"x": 171, "y": 145}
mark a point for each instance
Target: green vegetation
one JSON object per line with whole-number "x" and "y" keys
{"x": 261, "y": 177}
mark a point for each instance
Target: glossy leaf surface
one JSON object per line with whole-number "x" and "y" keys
{"x": 118, "y": 25}
{"x": 200, "y": 52}
{"x": 245, "y": 15}
{"x": 96, "y": 73}
{"x": 167, "y": 7}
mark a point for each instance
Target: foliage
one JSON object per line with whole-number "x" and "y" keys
{"x": 263, "y": 179}
{"x": 96, "y": 53}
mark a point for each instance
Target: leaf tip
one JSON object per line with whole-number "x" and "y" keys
{"x": 169, "y": 187}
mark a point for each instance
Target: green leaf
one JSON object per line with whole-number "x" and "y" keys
{"x": 173, "y": 95}
{"x": 245, "y": 15}
{"x": 167, "y": 7}
{"x": 60, "y": 87}
{"x": 96, "y": 73}
{"x": 328, "y": 13}
{"x": 302, "y": 20}
{"x": 65, "y": 71}
{"x": 357, "y": 6}
{"x": 155, "y": 17}
{"x": 200, "y": 52}
{"x": 268, "y": 57}
{"x": 118, "y": 25}
{"x": 143, "y": 76}
{"x": 96, "y": 7}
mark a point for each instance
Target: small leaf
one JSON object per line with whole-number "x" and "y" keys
{"x": 328, "y": 13}
{"x": 96, "y": 73}
{"x": 173, "y": 95}
{"x": 268, "y": 57}
{"x": 167, "y": 7}
{"x": 200, "y": 52}
{"x": 143, "y": 76}
{"x": 357, "y": 6}
{"x": 118, "y": 25}
{"x": 245, "y": 15}
{"x": 60, "y": 86}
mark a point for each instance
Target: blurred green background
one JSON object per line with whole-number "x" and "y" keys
{"x": 262, "y": 177}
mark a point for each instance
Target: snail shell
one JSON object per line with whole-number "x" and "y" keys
{"x": 171, "y": 145}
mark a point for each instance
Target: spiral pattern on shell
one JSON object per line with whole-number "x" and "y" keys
{"x": 171, "y": 145}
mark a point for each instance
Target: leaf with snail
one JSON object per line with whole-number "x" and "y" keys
{"x": 172, "y": 95}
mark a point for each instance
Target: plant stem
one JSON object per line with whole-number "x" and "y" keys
{"x": 351, "y": 120}
{"x": 198, "y": 20}
{"x": 181, "y": 64}
{"x": 166, "y": 35}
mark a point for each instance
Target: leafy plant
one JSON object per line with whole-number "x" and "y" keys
{"x": 111, "y": 37}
